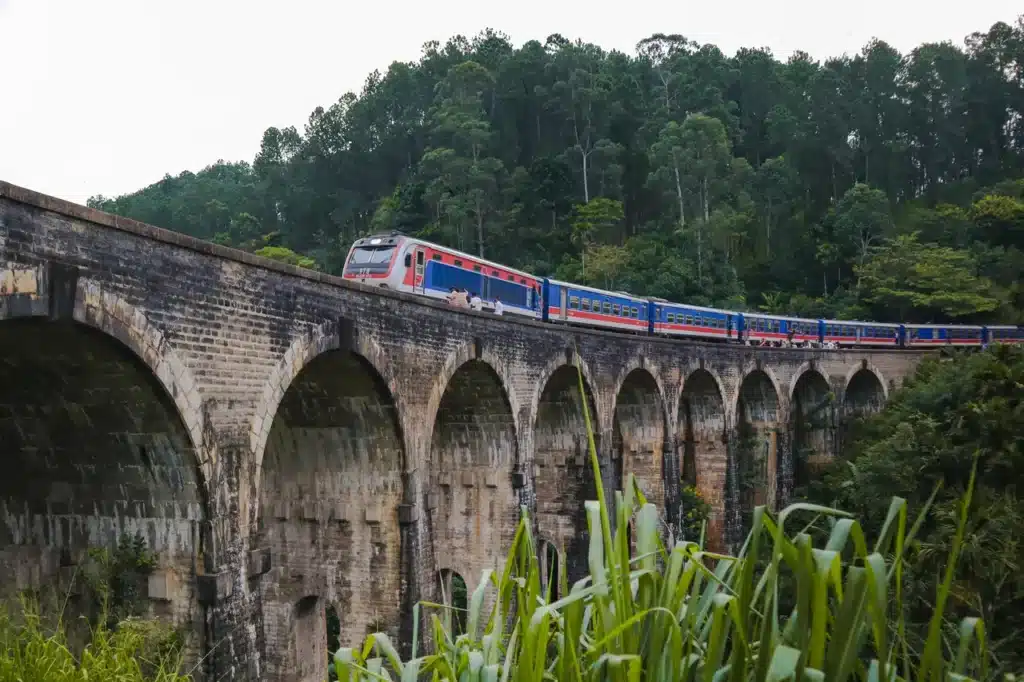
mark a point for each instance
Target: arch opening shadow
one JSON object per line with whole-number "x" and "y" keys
{"x": 639, "y": 435}
{"x": 863, "y": 397}
{"x": 812, "y": 427}
{"x": 702, "y": 443}
{"x": 550, "y": 570}
{"x": 564, "y": 478}
{"x": 307, "y": 640}
{"x": 753, "y": 465}
{"x": 94, "y": 451}
{"x": 455, "y": 597}
{"x": 473, "y": 450}
{"x": 329, "y": 496}
{"x": 864, "y": 393}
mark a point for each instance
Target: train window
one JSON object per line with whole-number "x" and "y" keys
{"x": 511, "y": 278}
{"x": 476, "y": 268}
{"x": 574, "y": 302}
{"x": 436, "y": 256}
{"x": 522, "y": 281}
{"x": 607, "y": 308}
{"x": 636, "y": 314}
{"x": 408, "y": 260}
{"x": 615, "y": 309}
{"x": 495, "y": 273}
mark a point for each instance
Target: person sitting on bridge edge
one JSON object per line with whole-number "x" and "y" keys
{"x": 476, "y": 303}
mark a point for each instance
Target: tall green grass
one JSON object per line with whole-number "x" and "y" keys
{"x": 781, "y": 609}
{"x": 34, "y": 650}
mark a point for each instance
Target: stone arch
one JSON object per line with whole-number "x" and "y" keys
{"x": 331, "y": 486}
{"x": 640, "y": 434}
{"x": 864, "y": 393}
{"x": 112, "y": 315}
{"x": 773, "y": 381}
{"x": 303, "y": 350}
{"x": 455, "y": 361}
{"x": 472, "y": 505}
{"x": 702, "y": 437}
{"x": 563, "y": 475}
{"x": 861, "y": 371}
{"x": 753, "y": 470}
{"x": 811, "y": 425}
{"x": 558, "y": 364}
{"x": 97, "y": 448}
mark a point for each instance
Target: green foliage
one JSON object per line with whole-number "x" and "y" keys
{"x": 950, "y": 414}
{"x": 676, "y": 612}
{"x": 137, "y": 651}
{"x": 286, "y": 255}
{"x": 695, "y": 513}
{"x": 733, "y": 176}
{"x": 115, "y": 581}
{"x": 925, "y": 282}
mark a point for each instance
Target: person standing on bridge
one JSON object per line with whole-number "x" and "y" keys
{"x": 476, "y": 303}
{"x": 499, "y": 309}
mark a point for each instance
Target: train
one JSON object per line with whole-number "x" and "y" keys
{"x": 401, "y": 263}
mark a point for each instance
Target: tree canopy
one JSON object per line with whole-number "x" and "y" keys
{"x": 677, "y": 171}
{"x": 929, "y": 433}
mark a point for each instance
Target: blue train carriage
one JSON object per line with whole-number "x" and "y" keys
{"x": 394, "y": 261}
{"x": 866, "y": 333}
{"x": 1003, "y": 333}
{"x": 582, "y": 305}
{"x": 925, "y": 335}
{"x": 759, "y": 327}
{"x": 677, "y": 319}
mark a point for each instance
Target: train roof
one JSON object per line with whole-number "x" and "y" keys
{"x": 606, "y": 292}
{"x": 940, "y": 325}
{"x": 788, "y": 318}
{"x": 862, "y": 323}
{"x": 691, "y": 306}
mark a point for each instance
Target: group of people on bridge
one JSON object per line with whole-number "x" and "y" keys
{"x": 462, "y": 298}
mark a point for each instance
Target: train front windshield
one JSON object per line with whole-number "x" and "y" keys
{"x": 369, "y": 259}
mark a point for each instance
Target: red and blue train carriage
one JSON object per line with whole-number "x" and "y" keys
{"x": 578, "y": 304}
{"x": 1004, "y": 333}
{"x": 676, "y": 319}
{"x": 394, "y": 261}
{"x": 419, "y": 267}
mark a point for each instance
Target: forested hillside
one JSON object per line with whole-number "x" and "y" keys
{"x": 877, "y": 186}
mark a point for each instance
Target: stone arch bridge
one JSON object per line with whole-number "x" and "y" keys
{"x": 284, "y": 440}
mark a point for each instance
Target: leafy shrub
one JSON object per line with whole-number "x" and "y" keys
{"x": 952, "y": 412}
{"x": 138, "y": 651}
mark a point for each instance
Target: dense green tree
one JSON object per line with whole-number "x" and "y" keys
{"x": 924, "y": 282}
{"x": 735, "y": 176}
{"x": 929, "y": 434}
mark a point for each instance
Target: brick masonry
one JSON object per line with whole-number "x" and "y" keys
{"x": 287, "y": 441}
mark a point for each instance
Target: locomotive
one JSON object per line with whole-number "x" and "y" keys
{"x": 401, "y": 263}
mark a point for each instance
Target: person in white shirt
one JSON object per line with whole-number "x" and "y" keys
{"x": 476, "y": 303}
{"x": 499, "y": 309}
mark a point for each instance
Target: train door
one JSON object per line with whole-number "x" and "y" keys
{"x": 728, "y": 326}
{"x": 563, "y": 308}
{"x": 419, "y": 275}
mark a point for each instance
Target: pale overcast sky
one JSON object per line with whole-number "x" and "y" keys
{"x": 105, "y": 96}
